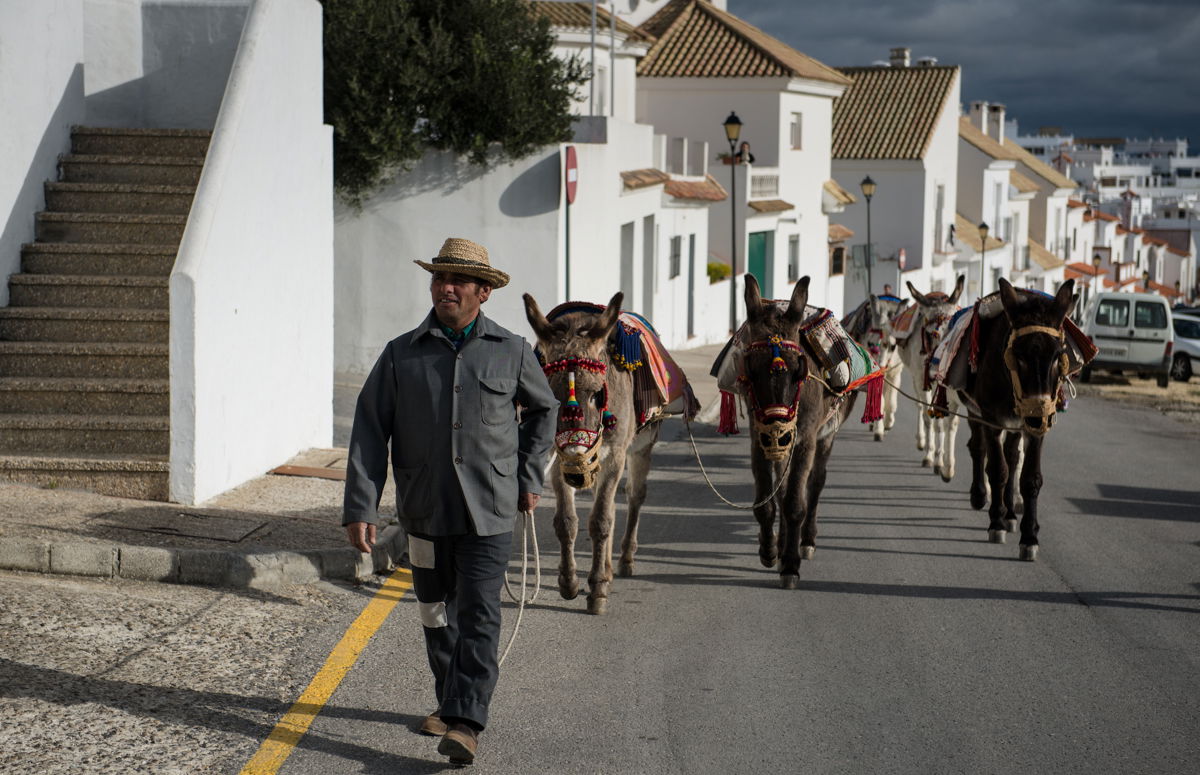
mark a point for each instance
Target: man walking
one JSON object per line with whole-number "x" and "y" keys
{"x": 446, "y": 395}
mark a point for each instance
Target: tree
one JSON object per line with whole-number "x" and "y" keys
{"x": 476, "y": 77}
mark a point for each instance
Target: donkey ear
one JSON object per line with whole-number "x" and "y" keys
{"x": 958, "y": 289}
{"x": 752, "y": 296}
{"x": 608, "y": 319}
{"x": 795, "y": 310}
{"x": 1064, "y": 300}
{"x": 537, "y": 321}
{"x": 920, "y": 297}
{"x": 1008, "y": 297}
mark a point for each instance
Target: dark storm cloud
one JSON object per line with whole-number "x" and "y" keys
{"x": 1093, "y": 67}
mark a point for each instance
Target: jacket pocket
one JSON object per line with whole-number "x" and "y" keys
{"x": 413, "y": 492}
{"x": 504, "y": 486}
{"x": 496, "y": 400}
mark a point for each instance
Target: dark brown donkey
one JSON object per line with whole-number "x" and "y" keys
{"x": 597, "y": 430}
{"x": 793, "y": 419}
{"x": 1022, "y": 364}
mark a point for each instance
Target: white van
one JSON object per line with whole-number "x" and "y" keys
{"x": 1133, "y": 332}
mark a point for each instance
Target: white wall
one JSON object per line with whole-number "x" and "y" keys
{"x": 252, "y": 288}
{"x": 41, "y": 96}
{"x": 159, "y": 63}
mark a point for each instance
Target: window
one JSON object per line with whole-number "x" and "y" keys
{"x": 837, "y": 261}
{"x": 1113, "y": 312}
{"x": 797, "y": 131}
{"x": 793, "y": 258}
{"x": 937, "y": 217}
{"x": 676, "y": 255}
{"x": 1149, "y": 314}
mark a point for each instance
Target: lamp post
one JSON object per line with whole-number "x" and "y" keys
{"x": 1096, "y": 260}
{"x": 733, "y": 130}
{"x": 1146, "y": 280}
{"x": 983, "y": 234}
{"x": 868, "y": 190}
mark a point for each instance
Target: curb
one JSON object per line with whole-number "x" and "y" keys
{"x": 206, "y": 567}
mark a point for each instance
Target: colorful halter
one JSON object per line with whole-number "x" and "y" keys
{"x": 1028, "y": 407}
{"x": 776, "y": 344}
{"x": 774, "y": 425}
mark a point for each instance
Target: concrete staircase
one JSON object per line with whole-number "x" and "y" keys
{"x": 84, "y": 399}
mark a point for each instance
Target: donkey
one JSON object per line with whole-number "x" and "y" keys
{"x": 871, "y": 325}
{"x": 597, "y": 431}
{"x": 794, "y": 420}
{"x": 934, "y": 436}
{"x": 1022, "y": 364}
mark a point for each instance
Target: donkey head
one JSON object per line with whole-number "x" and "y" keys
{"x": 574, "y": 349}
{"x": 934, "y": 311}
{"x": 1036, "y": 352}
{"x": 880, "y": 338}
{"x": 775, "y": 366}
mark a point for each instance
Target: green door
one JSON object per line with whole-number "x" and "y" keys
{"x": 760, "y": 252}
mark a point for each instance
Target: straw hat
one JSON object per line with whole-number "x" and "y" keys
{"x": 462, "y": 256}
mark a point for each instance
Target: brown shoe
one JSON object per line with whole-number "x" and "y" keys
{"x": 432, "y": 725}
{"x": 459, "y": 744}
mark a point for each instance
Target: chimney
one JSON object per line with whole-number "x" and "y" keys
{"x": 996, "y": 122}
{"x": 927, "y": 62}
{"x": 979, "y": 115}
{"x": 900, "y": 56}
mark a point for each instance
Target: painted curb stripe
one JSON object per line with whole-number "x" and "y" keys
{"x": 287, "y": 733}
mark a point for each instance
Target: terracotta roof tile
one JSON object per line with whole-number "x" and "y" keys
{"x": 579, "y": 16}
{"x": 1178, "y": 252}
{"x": 970, "y": 133}
{"x": 1146, "y": 238}
{"x": 1085, "y": 270}
{"x": 1105, "y": 216}
{"x": 1165, "y": 290}
{"x": 697, "y": 40}
{"x": 708, "y": 190}
{"x": 770, "y": 205}
{"x": 1075, "y": 203}
{"x": 1039, "y": 167}
{"x": 890, "y": 112}
{"x": 1022, "y": 183}
{"x": 834, "y": 189}
{"x": 1042, "y": 257}
{"x": 968, "y": 234}
{"x": 839, "y": 233}
{"x": 644, "y": 177}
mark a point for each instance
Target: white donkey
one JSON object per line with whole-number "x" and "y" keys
{"x": 870, "y": 324}
{"x": 934, "y": 435}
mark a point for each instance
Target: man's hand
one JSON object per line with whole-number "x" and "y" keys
{"x": 527, "y": 502}
{"x": 361, "y": 535}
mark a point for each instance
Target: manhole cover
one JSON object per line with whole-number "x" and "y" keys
{"x": 186, "y": 524}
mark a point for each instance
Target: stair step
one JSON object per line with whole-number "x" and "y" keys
{"x": 58, "y": 290}
{"x": 97, "y": 259}
{"x": 84, "y": 360}
{"x": 63, "y": 395}
{"x": 110, "y": 227}
{"x": 143, "y": 477}
{"x": 120, "y": 141}
{"x": 131, "y": 198}
{"x": 23, "y": 434}
{"x": 84, "y": 324}
{"x": 158, "y": 170}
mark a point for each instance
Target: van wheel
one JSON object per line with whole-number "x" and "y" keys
{"x": 1163, "y": 379}
{"x": 1181, "y": 367}
{"x": 1086, "y": 374}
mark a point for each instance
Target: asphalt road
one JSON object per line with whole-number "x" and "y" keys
{"x": 912, "y": 646}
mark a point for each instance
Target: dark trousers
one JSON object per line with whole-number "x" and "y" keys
{"x": 457, "y": 580}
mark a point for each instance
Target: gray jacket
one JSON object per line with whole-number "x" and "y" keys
{"x": 452, "y": 422}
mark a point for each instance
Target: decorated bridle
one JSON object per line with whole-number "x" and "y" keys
{"x": 770, "y": 435}
{"x": 1043, "y": 407}
{"x": 587, "y": 463}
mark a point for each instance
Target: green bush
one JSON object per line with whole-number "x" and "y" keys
{"x": 717, "y": 271}
{"x": 476, "y": 77}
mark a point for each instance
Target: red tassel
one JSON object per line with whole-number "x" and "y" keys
{"x": 728, "y": 422}
{"x": 873, "y": 410}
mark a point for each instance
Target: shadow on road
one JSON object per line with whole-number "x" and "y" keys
{"x": 1142, "y": 503}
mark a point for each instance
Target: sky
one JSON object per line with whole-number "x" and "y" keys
{"x": 1110, "y": 68}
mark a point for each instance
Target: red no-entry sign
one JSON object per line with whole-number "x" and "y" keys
{"x": 572, "y": 174}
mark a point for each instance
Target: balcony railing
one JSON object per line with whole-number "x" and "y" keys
{"x": 764, "y": 184}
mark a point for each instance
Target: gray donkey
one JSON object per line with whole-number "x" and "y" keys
{"x": 794, "y": 419}
{"x": 598, "y": 429}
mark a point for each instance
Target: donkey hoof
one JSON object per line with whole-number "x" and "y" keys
{"x": 789, "y": 581}
{"x": 807, "y": 552}
{"x": 878, "y": 435}
{"x": 1029, "y": 553}
{"x": 978, "y": 500}
{"x": 768, "y": 560}
{"x": 947, "y": 476}
{"x": 1010, "y": 525}
{"x": 926, "y": 463}
{"x": 625, "y": 569}
{"x": 597, "y": 606}
{"x": 996, "y": 536}
{"x": 568, "y": 591}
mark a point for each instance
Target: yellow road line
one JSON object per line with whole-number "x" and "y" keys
{"x": 287, "y": 733}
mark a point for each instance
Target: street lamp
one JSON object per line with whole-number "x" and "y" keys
{"x": 733, "y": 130}
{"x": 1146, "y": 280}
{"x": 868, "y": 190}
{"x": 983, "y": 232}
{"x": 1096, "y": 260}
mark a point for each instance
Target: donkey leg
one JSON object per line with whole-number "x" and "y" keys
{"x": 951, "y": 427}
{"x": 976, "y": 446}
{"x": 635, "y": 493}
{"x": 891, "y": 397}
{"x": 929, "y": 428}
{"x": 600, "y": 529}
{"x": 997, "y": 473}
{"x": 1012, "y": 457}
{"x": 566, "y": 526}
{"x": 1031, "y": 485}
{"x": 795, "y": 512}
{"x": 919, "y": 392}
{"x": 816, "y": 483}
{"x": 764, "y": 483}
